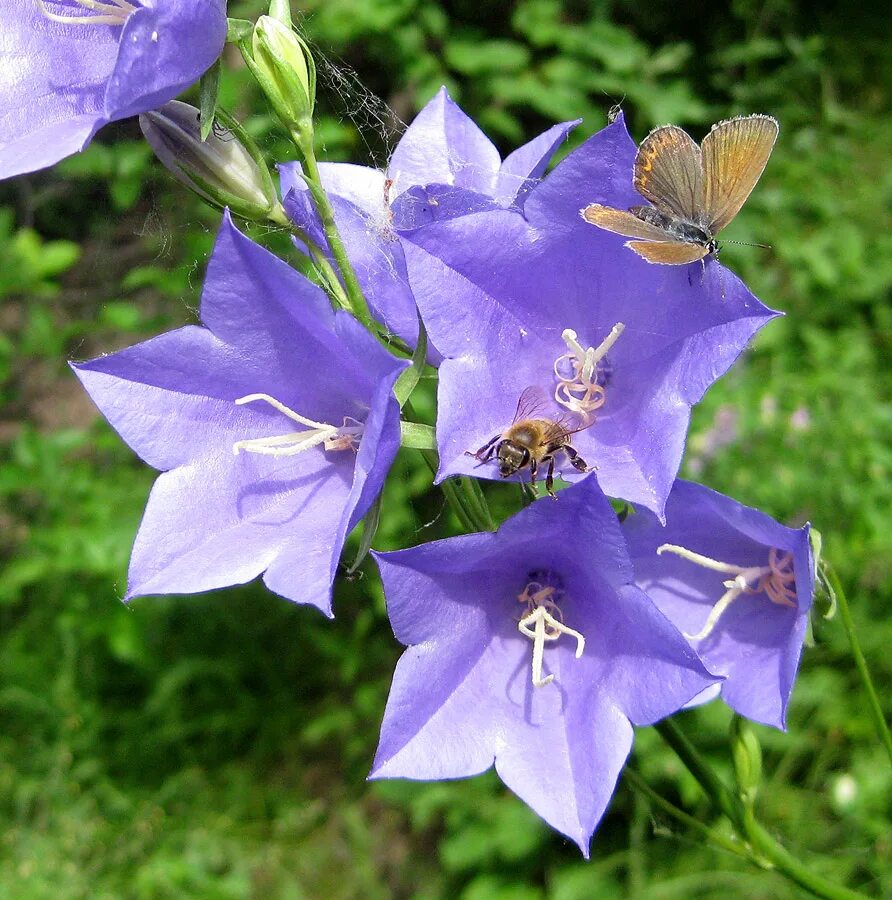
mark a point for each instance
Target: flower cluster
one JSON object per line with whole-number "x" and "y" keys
{"x": 535, "y": 648}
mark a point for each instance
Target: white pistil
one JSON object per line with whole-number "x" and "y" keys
{"x": 98, "y": 12}
{"x": 776, "y": 580}
{"x": 347, "y": 437}
{"x": 579, "y": 390}
{"x": 544, "y": 615}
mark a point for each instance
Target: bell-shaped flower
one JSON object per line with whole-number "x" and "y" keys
{"x": 739, "y": 586}
{"x": 273, "y": 424}
{"x": 443, "y": 166}
{"x": 531, "y": 650}
{"x": 71, "y": 66}
{"x": 620, "y": 348}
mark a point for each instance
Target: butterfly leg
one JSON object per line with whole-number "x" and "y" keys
{"x": 576, "y": 460}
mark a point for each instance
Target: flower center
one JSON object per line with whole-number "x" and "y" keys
{"x": 776, "y": 580}
{"x": 96, "y": 12}
{"x": 542, "y": 621}
{"x": 580, "y": 376}
{"x": 345, "y": 437}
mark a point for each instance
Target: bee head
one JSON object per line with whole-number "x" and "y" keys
{"x": 512, "y": 458}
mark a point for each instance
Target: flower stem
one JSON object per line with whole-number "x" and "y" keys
{"x": 637, "y": 783}
{"x": 358, "y": 304}
{"x": 764, "y": 848}
{"x": 876, "y": 710}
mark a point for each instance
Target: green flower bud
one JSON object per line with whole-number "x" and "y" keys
{"x": 225, "y": 170}
{"x": 747, "y": 755}
{"x": 284, "y": 67}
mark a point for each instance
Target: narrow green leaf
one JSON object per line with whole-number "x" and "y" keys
{"x": 408, "y": 380}
{"x": 208, "y": 89}
{"x": 417, "y": 436}
{"x": 369, "y": 529}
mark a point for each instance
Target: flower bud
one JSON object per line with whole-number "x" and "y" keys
{"x": 747, "y": 755}
{"x": 284, "y": 67}
{"x": 226, "y": 170}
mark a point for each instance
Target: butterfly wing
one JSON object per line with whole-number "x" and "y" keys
{"x": 669, "y": 253}
{"x": 669, "y": 173}
{"x": 735, "y": 153}
{"x": 624, "y": 223}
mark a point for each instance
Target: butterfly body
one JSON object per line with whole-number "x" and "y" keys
{"x": 695, "y": 191}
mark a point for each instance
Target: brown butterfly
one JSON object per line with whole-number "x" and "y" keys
{"x": 695, "y": 191}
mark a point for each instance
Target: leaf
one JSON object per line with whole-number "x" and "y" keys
{"x": 408, "y": 380}
{"x": 208, "y": 90}
{"x": 417, "y": 436}
{"x": 369, "y": 528}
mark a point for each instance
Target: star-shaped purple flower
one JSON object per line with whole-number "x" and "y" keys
{"x": 529, "y": 649}
{"x": 443, "y": 166}
{"x": 274, "y": 426}
{"x": 68, "y": 67}
{"x": 738, "y": 584}
{"x": 515, "y": 300}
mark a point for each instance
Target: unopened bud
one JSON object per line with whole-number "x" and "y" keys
{"x": 227, "y": 169}
{"x": 747, "y": 755}
{"x": 284, "y": 67}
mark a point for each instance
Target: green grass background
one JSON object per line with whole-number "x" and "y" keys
{"x": 217, "y": 746}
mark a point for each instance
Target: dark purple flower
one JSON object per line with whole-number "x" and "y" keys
{"x": 529, "y": 649}
{"x": 746, "y": 618}
{"x": 443, "y": 166}
{"x": 71, "y": 66}
{"x": 516, "y": 300}
{"x": 274, "y": 426}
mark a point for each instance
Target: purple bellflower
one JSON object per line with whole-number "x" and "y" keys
{"x": 68, "y": 67}
{"x": 531, "y": 650}
{"x": 442, "y": 154}
{"x": 274, "y": 426}
{"x": 620, "y": 348}
{"x": 737, "y": 584}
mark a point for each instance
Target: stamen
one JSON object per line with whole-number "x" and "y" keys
{"x": 347, "y": 437}
{"x": 578, "y": 389}
{"x": 544, "y": 615}
{"x": 776, "y": 580}
{"x": 99, "y": 12}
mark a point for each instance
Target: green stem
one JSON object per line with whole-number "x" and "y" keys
{"x": 637, "y": 783}
{"x": 358, "y": 304}
{"x": 745, "y": 823}
{"x": 876, "y": 710}
{"x": 713, "y": 786}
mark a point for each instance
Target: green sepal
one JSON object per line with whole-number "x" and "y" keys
{"x": 238, "y": 30}
{"x": 208, "y": 91}
{"x": 417, "y": 436}
{"x": 408, "y": 380}
{"x": 369, "y": 529}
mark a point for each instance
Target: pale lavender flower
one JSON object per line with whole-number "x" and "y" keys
{"x": 541, "y": 299}
{"x": 68, "y": 67}
{"x": 274, "y": 426}
{"x": 738, "y": 584}
{"x": 531, "y": 650}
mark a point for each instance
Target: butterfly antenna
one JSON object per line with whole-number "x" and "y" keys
{"x": 748, "y": 244}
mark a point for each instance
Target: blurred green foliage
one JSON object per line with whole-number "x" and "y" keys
{"x": 216, "y": 746}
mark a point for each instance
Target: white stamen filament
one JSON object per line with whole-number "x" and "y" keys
{"x": 98, "y": 12}
{"x": 579, "y": 390}
{"x": 543, "y": 614}
{"x": 331, "y": 437}
{"x": 776, "y": 580}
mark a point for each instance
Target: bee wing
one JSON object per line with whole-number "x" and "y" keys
{"x": 532, "y": 404}
{"x": 669, "y": 253}
{"x": 624, "y": 223}
{"x": 735, "y": 154}
{"x": 669, "y": 172}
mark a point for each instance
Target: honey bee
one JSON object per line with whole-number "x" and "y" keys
{"x": 531, "y": 441}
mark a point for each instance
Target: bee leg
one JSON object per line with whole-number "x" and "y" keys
{"x": 576, "y": 460}
{"x": 486, "y": 451}
{"x": 549, "y": 478}
{"x": 534, "y": 470}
